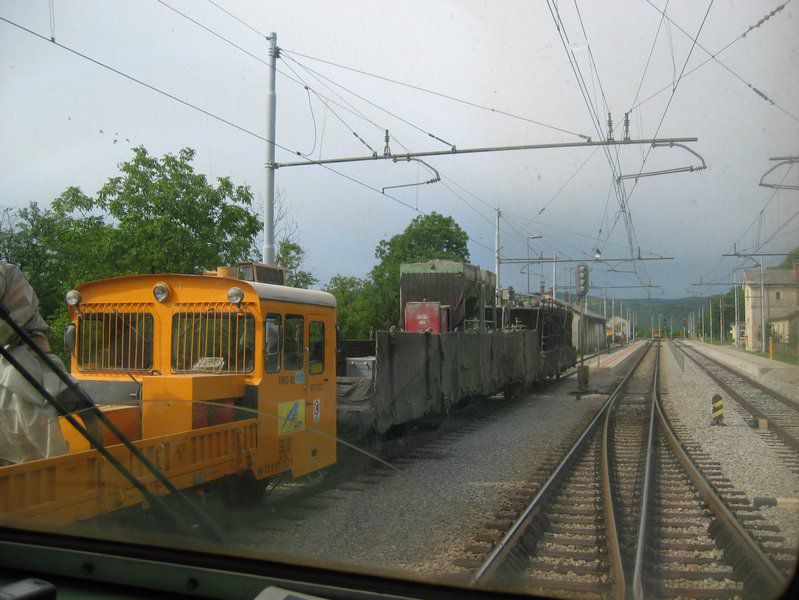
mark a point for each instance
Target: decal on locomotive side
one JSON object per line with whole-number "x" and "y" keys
{"x": 290, "y": 417}
{"x": 317, "y": 410}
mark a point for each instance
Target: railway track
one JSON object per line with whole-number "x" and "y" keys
{"x": 780, "y": 412}
{"x": 627, "y": 513}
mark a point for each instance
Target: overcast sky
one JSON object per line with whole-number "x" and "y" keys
{"x": 66, "y": 121}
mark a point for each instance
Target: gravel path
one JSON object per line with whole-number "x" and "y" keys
{"x": 411, "y": 523}
{"x": 745, "y": 457}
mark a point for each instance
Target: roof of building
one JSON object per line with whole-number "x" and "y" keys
{"x": 770, "y": 277}
{"x": 588, "y": 313}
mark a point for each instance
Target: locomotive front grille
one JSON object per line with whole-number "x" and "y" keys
{"x": 212, "y": 338}
{"x": 115, "y": 337}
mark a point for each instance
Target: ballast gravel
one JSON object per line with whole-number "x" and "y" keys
{"x": 415, "y": 522}
{"x": 745, "y": 458}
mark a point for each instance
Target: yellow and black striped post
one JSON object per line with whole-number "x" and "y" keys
{"x": 717, "y": 412}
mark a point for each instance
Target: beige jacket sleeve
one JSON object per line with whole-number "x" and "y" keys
{"x": 18, "y": 296}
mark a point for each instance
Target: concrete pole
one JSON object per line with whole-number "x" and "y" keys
{"x": 605, "y": 304}
{"x": 721, "y": 318}
{"x": 497, "y": 324}
{"x": 271, "y": 116}
{"x": 711, "y": 320}
{"x": 737, "y": 324}
{"x": 612, "y": 315}
{"x": 528, "y": 265}
{"x": 702, "y": 316}
{"x": 762, "y": 311}
{"x": 554, "y": 275}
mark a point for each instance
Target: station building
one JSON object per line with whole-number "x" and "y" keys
{"x": 780, "y": 304}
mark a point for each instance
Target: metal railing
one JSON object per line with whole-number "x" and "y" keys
{"x": 115, "y": 337}
{"x": 212, "y": 338}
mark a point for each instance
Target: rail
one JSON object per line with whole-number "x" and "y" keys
{"x": 639, "y": 564}
{"x": 503, "y": 549}
{"x": 768, "y": 576}
{"x": 790, "y": 439}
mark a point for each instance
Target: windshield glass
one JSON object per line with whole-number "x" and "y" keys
{"x": 360, "y": 286}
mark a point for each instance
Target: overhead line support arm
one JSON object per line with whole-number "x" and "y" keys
{"x": 454, "y": 151}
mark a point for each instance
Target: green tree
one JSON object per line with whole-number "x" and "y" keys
{"x": 790, "y": 259}
{"x": 428, "y": 237}
{"x": 170, "y": 219}
{"x": 157, "y": 216}
{"x": 354, "y": 313}
{"x": 290, "y": 256}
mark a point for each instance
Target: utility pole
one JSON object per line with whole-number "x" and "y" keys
{"x": 605, "y": 304}
{"x": 711, "y": 320}
{"x": 652, "y": 326}
{"x": 271, "y": 117}
{"x": 496, "y": 266}
{"x": 762, "y": 310}
{"x": 529, "y": 263}
{"x": 612, "y": 316}
{"x": 721, "y": 317}
{"x": 554, "y": 275}
{"x": 702, "y": 316}
{"x": 737, "y": 323}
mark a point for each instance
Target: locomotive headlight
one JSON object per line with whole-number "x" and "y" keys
{"x": 161, "y": 292}
{"x": 73, "y": 298}
{"x": 235, "y": 295}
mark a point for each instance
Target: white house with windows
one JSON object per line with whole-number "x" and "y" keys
{"x": 779, "y": 304}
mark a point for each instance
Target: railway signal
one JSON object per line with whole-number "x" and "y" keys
{"x": 582, "y": 279}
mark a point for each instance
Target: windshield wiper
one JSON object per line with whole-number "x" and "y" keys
{"x": 211, "y": 528}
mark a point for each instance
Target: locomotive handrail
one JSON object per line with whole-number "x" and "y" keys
{"x": 209, "y": 525}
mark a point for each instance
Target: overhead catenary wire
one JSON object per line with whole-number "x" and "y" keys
{"x": 347, "y": 105}
{"x": 758, "y": 245}
{"x": 435, "y": 93}
{"x": 671, "y": 98}
{"x": 298, "y": 80}
{"x": 595, "y": 118}
{"x": 212, "y": 32}
{"x": 234, "y": 17}
{"x": 714, "y": 57}
{"x": 385, "y": 110}
{"x": 191, "y": 105}
{"x": 335, "y": 114}
{"x": 713, "y": 54}
{"x": 301, "y": 82}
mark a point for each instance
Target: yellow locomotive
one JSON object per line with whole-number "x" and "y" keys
{"x": 211, "y": 376}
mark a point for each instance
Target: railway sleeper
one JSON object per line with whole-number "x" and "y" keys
{"x": 596, "y": 568}
{"x": 716, "y": 572}
{"x": 567, "y": 585}
{"x": 690, "y": 589}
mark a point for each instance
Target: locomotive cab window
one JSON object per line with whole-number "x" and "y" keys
{"x": 293, "y": 343}
{"x": 272, "y": 330}
{"x": 316, "y": 364}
